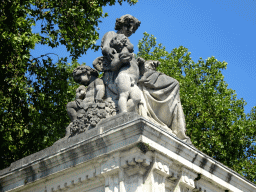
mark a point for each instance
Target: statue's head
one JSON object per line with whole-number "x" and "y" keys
{"x": 147, "y": 65}
{"x": 83, "y": 74}
{"x": 118, "y": 42}
{"x": 127, "y": 25}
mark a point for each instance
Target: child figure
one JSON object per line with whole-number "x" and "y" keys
{"x": 95, "y": 91}
{"x": 75, "y": 108}
{"x": 128, "y": 73}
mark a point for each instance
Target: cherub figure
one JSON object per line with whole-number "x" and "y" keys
{"x": 124, "y": 62}
{"x": 88, "y": 76}
{"x": 95, "y": 91}
{"x": 75, "y": 108}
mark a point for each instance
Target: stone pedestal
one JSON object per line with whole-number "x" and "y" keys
{"x": 125, "y": 153}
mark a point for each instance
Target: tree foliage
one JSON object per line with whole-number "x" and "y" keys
{"x": 34, "y": 91}
{"x": 215, "y": 117}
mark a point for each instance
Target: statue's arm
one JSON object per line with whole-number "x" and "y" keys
{"x": 99, "y": 89}
{"x": 80, "y": 92}
{"x": 116, "y": 63}
{"x": 129, "y": 46}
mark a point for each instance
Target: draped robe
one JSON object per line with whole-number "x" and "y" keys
{"x": 161, "y": 102}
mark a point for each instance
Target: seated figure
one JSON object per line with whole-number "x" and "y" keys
{"x": 161, "y": 99}
{"x": 95, "y": 91}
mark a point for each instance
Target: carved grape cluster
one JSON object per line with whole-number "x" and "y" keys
{"x": 93, "y": 114}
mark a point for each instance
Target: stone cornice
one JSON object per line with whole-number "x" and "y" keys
{"x": 125, "y": 143}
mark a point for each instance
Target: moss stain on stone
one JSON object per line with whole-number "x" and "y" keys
{"x": 144, "y": 147}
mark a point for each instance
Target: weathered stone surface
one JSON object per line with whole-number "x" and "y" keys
{"x": 132, "y": 85}
{"x": 122, "y": 65}
{"x": 139, "y": 147}
{"x": 123, "y": 156}
{"x": 129, "y": 84}
{"x": 85, "y": 97}
{"x": 93, "y": 113}
{"x": 161, "y": 99}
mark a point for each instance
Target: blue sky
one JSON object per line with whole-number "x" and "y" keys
{"x": 224, "y": 29}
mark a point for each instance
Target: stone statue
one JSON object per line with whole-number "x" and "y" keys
{"x": 75, "y": 108}
{"x": 126, "y": 25}
{"x": 87, "y": 76}
{"x": 161, "y": 99}
{"x": 128, "y": 73}
{"x": 88, "y": 108}
{"x": 121, "y": 72}
{"x": 128, "y": 85}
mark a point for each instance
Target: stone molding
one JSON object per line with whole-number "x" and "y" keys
{"x": 132, "y": 156}
{"x": 186, "y": 181}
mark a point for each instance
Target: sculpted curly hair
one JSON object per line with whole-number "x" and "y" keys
{"x": 83, "y": 69}
{"x": 118, "y": 42}
{"x": 124, "y": 20}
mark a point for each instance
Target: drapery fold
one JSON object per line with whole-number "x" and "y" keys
{"x": 161, "y": 101}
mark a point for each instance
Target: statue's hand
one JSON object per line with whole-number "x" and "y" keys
{"x": 125, "y": 57}
{"x": 141, "y": 60}
{"x": 109, "y": 52}
{"x": 80, "y": 95}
